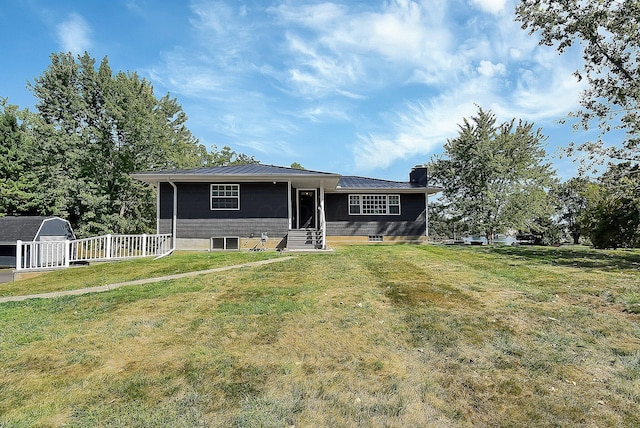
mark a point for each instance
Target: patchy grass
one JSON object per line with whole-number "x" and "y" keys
{"x": 367, "y": 336}
{"x": 128, "y": 270}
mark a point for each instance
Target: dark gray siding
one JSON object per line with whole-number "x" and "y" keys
{"x": 366, "y": 228}
{"x": 257, "y": 200}
{"x": 207, "y": 228}
{"x": 410, "y": 222}
{"x": 263, "y": 208}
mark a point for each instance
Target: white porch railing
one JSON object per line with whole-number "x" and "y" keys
{"x": 56, "y": 254}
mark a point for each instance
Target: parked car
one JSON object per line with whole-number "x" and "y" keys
{"x": 481, "y": 240}
{"x": 505, "y": 240}
{"x": 475, "y": 240}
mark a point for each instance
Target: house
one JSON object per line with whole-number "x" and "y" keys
{"x": 27, "y": 229}
{"x": 250, "y": 205}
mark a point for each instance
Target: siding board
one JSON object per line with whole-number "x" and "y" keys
{"x": 207, "y": 228}
{"x": 410, "y": 222}
{"x": 257, "y": 200}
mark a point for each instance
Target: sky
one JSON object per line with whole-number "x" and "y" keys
{"x": 367, "y": 88}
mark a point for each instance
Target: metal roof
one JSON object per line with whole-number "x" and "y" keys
{"x": 354, "y": 183}
{"x": 251, "y": 169}
{"x": 298, "y": 177}
{"x": 257, "y": 172}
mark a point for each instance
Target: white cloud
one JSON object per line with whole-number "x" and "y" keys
{"x": 489, "y": 69}
{"x": 491, "y": 6}
{"x": 260, "y": 79}
{"x": 73, "y": 34}
{"x": 419, "y": 128}
{"x": 348, "y": 51}
{"x": 316, "y": 16}
{"x": 545, "y": 93}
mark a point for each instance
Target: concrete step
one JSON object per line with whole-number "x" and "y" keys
{"x": 304, "y": 239}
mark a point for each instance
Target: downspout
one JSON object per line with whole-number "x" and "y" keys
{"x": 426, "y": 215}
{"x": 158, "y": 209}
{"x": 426, "y": 208}
{"x": 174, "y": 218}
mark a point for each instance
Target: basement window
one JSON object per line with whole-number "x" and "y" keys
{"x": 224, "y": 243}
{"x": 375, "y": 238}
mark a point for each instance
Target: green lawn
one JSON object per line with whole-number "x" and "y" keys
{"x": 367, "y": 336}
{"x": 129, "y": 270}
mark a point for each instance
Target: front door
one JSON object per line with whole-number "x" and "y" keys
{"x": 307, "y": 209}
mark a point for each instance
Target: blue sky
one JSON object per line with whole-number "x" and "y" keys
{"x": 358, "y": 88}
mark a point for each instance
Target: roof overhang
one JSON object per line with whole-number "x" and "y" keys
{"x": 431, "y": 190}
{"x": 326, "y": 180}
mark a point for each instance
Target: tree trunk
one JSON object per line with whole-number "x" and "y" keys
{"x": 489, "y": 236}
{"x": 576, "y": 238}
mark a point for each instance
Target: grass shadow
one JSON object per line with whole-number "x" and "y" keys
{"x": 580, "y": 257}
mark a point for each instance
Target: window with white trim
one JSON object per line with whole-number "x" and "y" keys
{"x": 374, "y": 204}
{"x": 225, "y": 196}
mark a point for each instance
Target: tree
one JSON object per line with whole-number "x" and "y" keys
{"x": 296, "y": 165}
{"x": 571, "y": 203}
{"x": 612, "y": 217}
{"x": 226, "y": 157}
{"x": 17, "y": 180}
{"x": 542, "y": 231}
{"x": 94, "y": 129}
{"x": 609, "y": 33}
{"x": 444, "y": 224}
{"x": 493, "y": 175}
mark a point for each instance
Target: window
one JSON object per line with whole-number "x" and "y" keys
{"x": 354, "y": 204}
{"x": 394, "y": 204}
{"x": 374, "y": 204}
{"x": 225, "y": 196}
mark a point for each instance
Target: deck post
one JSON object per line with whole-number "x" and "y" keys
{"x": 107, "y": 249}
{"x": 144, "y": 244}
{"x": 67, "y": 256}
{"x": 323, "y": 220}
{"x": 289, "y": 207}
{"x": 18, "y": 254}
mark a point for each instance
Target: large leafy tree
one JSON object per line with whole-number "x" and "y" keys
{"x": 571, "y": 203}
{"x": 93, "y": 129}
{"x": 609, "y": 33}
{"x": 612, "y": 215}
{"x": 445, "y": 224}
{"x": 494, "y": 175}
{"x": 18, "y": 183}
